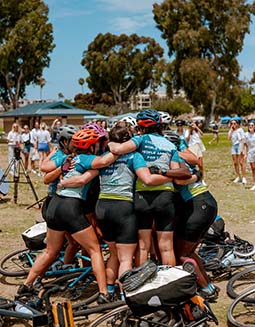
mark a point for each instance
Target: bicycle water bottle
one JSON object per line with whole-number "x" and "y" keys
{"x": 22, "y": 309}
{"x": 228, "y": 259}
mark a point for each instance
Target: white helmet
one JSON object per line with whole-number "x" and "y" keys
{"x": 129, "y": 120}
{"x": 165, "y": 117}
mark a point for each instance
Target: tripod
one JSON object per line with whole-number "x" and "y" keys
{"x": 17, "y": 166}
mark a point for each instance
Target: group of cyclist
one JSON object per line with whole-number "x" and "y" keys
{"x": 144, "y": 191}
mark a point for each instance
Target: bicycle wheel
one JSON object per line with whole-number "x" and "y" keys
{"x": 241, "y": 314}
{"x": 83, "y": 309}
{"x": 117, "y": 317}
{"x": 239, "y": 282}
{"x": 17, "y": 263}
{"x": 77, "y": 285}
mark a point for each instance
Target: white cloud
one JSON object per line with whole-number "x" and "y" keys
{"x": 131, "y": 24}
{"x": 71, "y": 12}
{"x": 128, "y": 5}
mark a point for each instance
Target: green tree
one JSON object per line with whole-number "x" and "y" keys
{"x": 25, "y": 43}
{"x": 120, "y": 66}
{"x": 41, "y": 81}
{"x": 174, "y": 107}
{"x": 204, "y": 39}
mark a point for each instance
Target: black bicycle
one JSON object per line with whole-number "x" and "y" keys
{"x": 239, "y": 283}
{"x": 188, "y": 313}
{"x": 62, "y": 313}
{"x": 241, "y": 313}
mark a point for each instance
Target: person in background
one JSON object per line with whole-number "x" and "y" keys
{"x": 181, "y": 132}
{"x": 236, "y": 136}
{"x": 34, "y": 155}
{"x": 14, "y": 139}
{"x": 26, "y": 141}
{"x": 193, "y": 136}
{"x": 54, "y": 131}
{"x": 249, "y": 142}
{"x": 43, "y": 139}
{"x": 215, "y": 130}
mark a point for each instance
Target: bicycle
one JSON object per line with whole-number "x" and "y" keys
{"x": 221, "y": 259}
{"x": 241, "y": 313}
{"x": 77, "y": 277}
{"x": 239, "y": 282}
{"x": 52, "y": 313}
{"x": 181, "y": 315}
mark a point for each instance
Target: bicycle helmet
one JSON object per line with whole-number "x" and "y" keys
{"x": 165, "y": 117}
{"x": 173, "y": 137}
{"x": 84, "y": 138}
{"x": 129, "y": 120}
{"x": 148, "y": 117}
{"x": 101, "y": 131}
{"x": 66, "y": 131}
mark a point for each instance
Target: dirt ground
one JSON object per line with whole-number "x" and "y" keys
{"x": 236, "y": 205}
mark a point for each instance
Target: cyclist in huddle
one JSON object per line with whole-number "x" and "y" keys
{"x": 196, "y": 209}
{"x": 154, "y": 203}
{"x": 114, "y": 210}
{"x": 65, "y": 213}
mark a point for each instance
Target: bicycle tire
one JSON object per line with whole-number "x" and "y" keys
{"x": 241, "y": 279}
{"x": 230, "y": 314}
{"x": 22, "y": 269}
{"x": 79, "y": 287}
{"x": 99, "y": 308}
{"x": 111, "y": 315}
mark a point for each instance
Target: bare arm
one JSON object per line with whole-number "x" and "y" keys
{"x": 177, "y": 171}
{"x": 47, "y": 164}
{"x": 188, "y": 156}
{"x": 52, "y": 175}
{"x": 122, "y": 148}
{"x": 151, "y": 179}
{"x": 190, "y": 180}
{"x": 104, "y": 161}
{"x": 81, "y": 180}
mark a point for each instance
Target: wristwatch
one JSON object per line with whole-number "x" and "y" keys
{"x": 164, "y": 171}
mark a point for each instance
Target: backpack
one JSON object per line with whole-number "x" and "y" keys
{"x": 216, "y": 232}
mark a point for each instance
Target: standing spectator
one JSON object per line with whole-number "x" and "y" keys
{"x": 250, "y": 150}
{"x": 26, "y": 140}
{"x": 14, "y": 139}
{"x": 236, "y": 135}
{"x": 215, "y": 130}
{"x": 193, "y": 136}
{"x": 34, "y": 155}
{"x": 54, "y": 131}
{"x": 43, "y": 140}
{"x": 181, "y": 132}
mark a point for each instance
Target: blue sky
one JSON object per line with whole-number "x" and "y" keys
{"x": 77, "y": 22}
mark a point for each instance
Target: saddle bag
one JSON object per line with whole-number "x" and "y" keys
{"x": 169, "y": 287}
{"x": 34, "y": 237}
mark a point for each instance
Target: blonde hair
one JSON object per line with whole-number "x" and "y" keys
{"x": 15, "y": 125}
{"x": 43, "y": 126}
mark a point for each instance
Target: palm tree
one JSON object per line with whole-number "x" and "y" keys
{"x": 41, "y": 81}
{"x": 60, "y": 96}
{"x": 81, "y": 82}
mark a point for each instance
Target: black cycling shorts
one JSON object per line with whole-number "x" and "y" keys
{"x": 157, "y": 207}
{"x": 196, "y": 217}
{"x": 92, "y": 195}
{"x": 66, "y": 214}
{"x": 117, "y": 221}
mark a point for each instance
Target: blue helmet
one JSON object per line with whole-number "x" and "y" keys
{"x": 148, "y": 117}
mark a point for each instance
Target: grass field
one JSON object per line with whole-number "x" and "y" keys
{"x": 235, "y": 202}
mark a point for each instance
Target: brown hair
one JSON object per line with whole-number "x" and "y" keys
{"x": 120, "y": 133}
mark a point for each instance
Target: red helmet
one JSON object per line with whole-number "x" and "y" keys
{"x": 83, "y": 139}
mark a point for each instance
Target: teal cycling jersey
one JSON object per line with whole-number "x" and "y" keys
{"x": 189, "y": 191}
{"x": 157, "y": 151}
{"x": 83, "y": 162}
{"x": 117, "y": 180}
{"x": 58, "y": 158}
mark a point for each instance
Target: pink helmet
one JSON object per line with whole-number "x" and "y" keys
{"x": 100, "y": 130}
